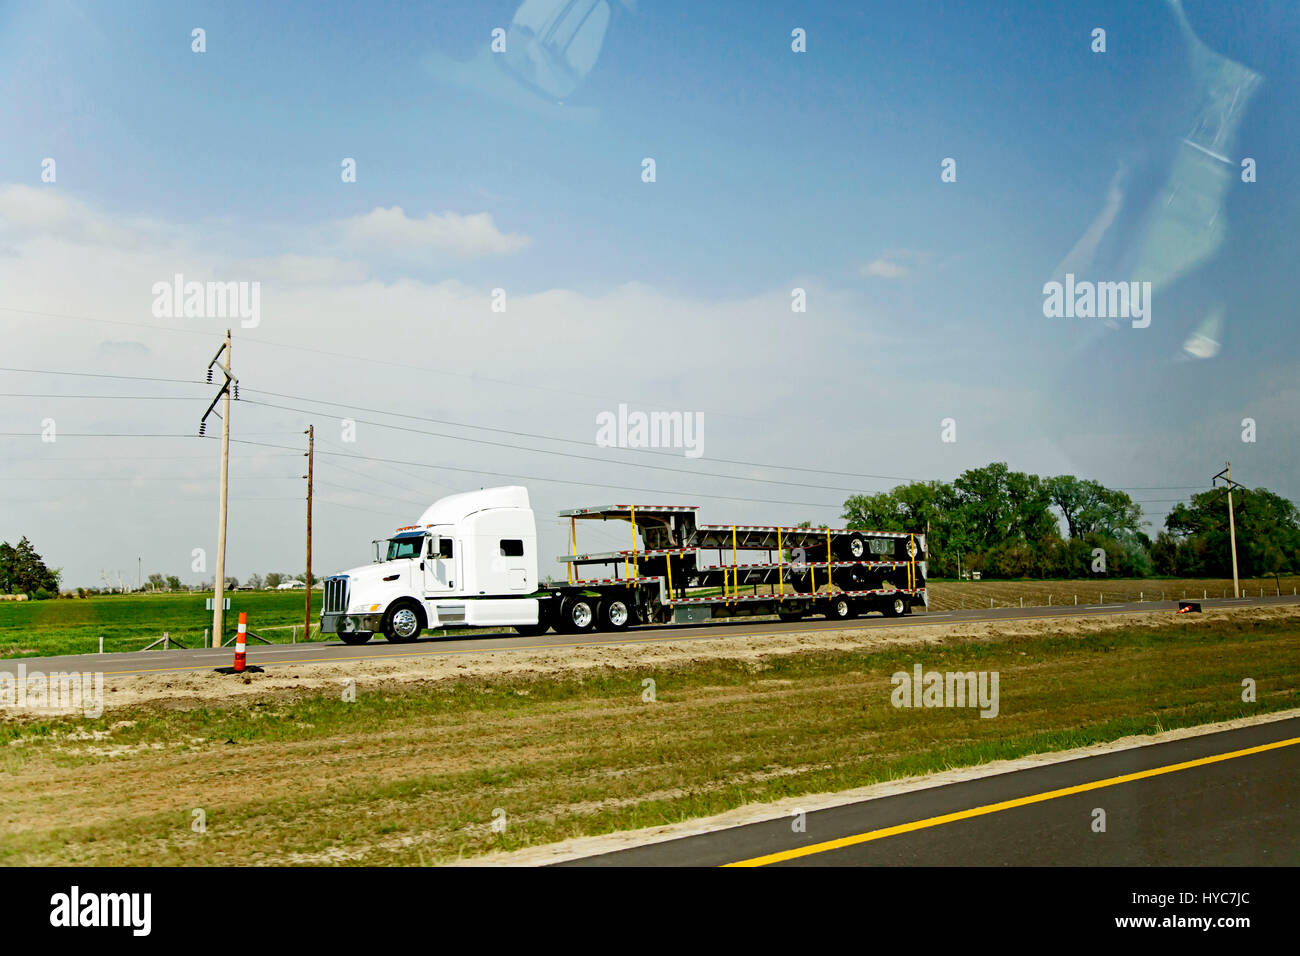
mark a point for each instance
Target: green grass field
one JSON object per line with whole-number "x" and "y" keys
{"x": 129, "y": 622}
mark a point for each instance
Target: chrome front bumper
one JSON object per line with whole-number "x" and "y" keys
{"x": 349, "y": 623}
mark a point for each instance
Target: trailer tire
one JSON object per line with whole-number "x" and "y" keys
{"x": 841, "y": 608}
{"x": 576, "y": 615}
{"x": 403, "y": 621}
{"x": 895, "y": 607}
{"x": 354, "y": 637}
{"x": 789, "y": 616}
{"x": 613, "y": 613}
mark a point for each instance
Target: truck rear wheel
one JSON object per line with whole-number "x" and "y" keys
{"x": 895, "y": 607}
{"x": 576, "y": 615}
{"x": 613, "y": 613}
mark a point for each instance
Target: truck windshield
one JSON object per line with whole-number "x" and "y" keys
{"x": 404, "y": 548}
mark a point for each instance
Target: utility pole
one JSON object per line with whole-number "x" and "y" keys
{"x": 311, "y": 459}
{"x": 1226, "y": 475}
{"x": 218, "y": 602}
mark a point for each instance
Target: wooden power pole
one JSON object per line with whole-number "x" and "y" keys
{"x": 311, "y": 459}
{"x": 219, "y": 590}
{"x": 1226, "y": 475}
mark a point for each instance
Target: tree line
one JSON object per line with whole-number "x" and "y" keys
{"x": 1011, "y": 524}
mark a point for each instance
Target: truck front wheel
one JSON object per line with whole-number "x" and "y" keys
{"x": 403, "y": 622}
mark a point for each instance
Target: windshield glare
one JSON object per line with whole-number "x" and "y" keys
{"x": 404, "y": 548}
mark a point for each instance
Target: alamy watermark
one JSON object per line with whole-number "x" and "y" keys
{"x": 179, "y": 299}
{"x": 946, "y": 689}
{"x": 1098, "y": 300}
{"x": 651, "y": 430}
{"x": 56, "y": 691}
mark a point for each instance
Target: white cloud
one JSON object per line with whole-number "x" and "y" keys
{"x": 295, "y": 268}
{"x": 884, "y": 269}
{"x": 50, "y": 212}
{"x": 472, "y": 235}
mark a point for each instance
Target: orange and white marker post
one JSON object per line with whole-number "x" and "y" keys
{"x": 241, "y": 642}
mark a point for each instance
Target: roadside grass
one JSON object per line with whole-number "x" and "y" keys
{"x": 954, "y": 595}
{"x": 415, "y": 776}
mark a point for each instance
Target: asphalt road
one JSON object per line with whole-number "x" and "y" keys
{"x": 273, "y": 655}
{"x": 1236, "y": 804}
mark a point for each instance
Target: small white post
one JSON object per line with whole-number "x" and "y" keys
{"x": 101, "y": 643}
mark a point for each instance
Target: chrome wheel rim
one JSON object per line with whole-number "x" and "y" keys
{"x": 405, "y": 623}
{"x": 581, "y": 615}
{"x": 618, "y": 614}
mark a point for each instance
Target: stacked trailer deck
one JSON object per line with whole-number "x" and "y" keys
{"x": 678, "y": 571}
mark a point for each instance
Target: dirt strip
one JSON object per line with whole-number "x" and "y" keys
{"x": 204, "y": 688}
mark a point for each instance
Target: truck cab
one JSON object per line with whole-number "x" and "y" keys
{"x": 471, "y": 560}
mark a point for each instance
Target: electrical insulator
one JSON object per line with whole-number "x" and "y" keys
{"x": 236, "y": 391}
{"x": 203, "y": 427}
{"x": 209, "y": 375}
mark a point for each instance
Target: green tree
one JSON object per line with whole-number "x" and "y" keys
{"x": 1196, "y": 538}
{"x": 23, "y": 571}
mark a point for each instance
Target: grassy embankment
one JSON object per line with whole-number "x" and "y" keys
{"x": 415, "y": 775}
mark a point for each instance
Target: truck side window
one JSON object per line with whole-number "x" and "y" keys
{"x": 445, "y": 547}
{"x": 512, "y": 547}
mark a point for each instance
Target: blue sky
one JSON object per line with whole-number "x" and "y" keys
{"x": 774, "y": 170}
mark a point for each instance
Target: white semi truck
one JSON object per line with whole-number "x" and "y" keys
{"x": 471, "y": 561}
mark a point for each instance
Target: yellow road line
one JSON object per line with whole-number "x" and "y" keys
{"x": 1004, "y": 805}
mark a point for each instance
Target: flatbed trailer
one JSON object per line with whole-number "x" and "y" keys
{"x": 677, "y": 571}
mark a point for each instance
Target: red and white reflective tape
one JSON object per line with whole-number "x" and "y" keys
{"x": 241, "y": 642}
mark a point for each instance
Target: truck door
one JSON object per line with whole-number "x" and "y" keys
{"x": 440, "y": 565}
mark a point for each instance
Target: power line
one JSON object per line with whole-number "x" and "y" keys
{"x": 131, "y": 378}
{"x": 134, "y": 398}
{"x": 349, "y": 357}
{"x": 562, "y": 454}
{"x": 590, "y": 484}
